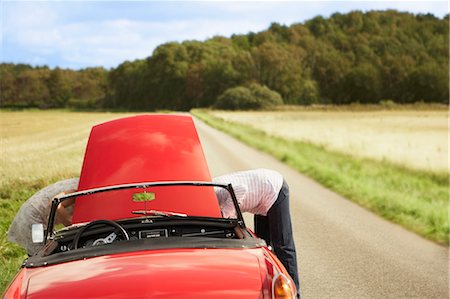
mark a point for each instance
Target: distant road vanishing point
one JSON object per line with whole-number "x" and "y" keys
{"x": 344, "y": 251}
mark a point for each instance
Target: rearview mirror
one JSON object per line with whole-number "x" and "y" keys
{"x": 144, "y": 196}
{"x": 37, "y": 233}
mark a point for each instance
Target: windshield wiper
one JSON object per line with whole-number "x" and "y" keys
{"x": 158, "y": 213}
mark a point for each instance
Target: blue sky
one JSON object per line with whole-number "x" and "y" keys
{"x": 78, "y": 34}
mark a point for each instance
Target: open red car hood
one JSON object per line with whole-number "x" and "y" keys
{"x": 144, "y": 148}
{"x": 185, "y": 273}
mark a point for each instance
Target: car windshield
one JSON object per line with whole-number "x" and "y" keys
{"x": 145, "y": 216}
{"x": 161, "y": 199}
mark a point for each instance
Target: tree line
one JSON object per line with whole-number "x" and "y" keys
{"x": 26, "y": 86}
{"x": 354, "y": 57}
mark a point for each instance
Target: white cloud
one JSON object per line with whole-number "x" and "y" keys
{"x": 23, "y": 15}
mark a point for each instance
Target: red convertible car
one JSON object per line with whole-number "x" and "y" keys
{"x": 147, "y": 224}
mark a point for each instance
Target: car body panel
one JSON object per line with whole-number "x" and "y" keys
{"x": 144, "y": 148}
{"x": 181, "y": 273}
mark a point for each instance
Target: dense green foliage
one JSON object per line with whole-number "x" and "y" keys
{"x": 248, "y": 98}
{"x": 26, "y": 86}
{"x": 355, "y": 57}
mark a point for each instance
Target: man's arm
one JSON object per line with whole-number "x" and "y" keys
{"x": 226, "y": 203}
{"x": 62, "y": 214}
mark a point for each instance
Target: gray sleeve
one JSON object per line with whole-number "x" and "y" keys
{"x": 20, "y": 230}
{"x": 36, "y": 210}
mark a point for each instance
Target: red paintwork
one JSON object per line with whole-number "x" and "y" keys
{"x": 17, "y": 288}
{"x": 177, "y": 273}
{"x": 145, "y": 148}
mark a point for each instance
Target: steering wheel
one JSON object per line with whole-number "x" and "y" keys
{"x": 116, "y": 225}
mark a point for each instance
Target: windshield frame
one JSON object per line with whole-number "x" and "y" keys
{"x": 58, "y": 199}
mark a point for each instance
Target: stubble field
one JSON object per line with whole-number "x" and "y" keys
{"x": 414, "y": 139}
{"x": 44, "y": 145}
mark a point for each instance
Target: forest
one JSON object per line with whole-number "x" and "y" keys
{"x": 358, "y": 57}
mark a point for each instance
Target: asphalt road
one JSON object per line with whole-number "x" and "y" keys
{"x": 343, "y": 250}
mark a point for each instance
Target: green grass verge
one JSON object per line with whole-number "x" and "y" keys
{"x": 416, "y": 200}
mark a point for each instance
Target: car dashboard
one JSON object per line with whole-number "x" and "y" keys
{"x": 142, "y": 235}
{"x": 150, "y": 229}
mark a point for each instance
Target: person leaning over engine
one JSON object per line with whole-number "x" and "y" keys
{"x": 37, "y": 209}
{"x": 265, "y": 194}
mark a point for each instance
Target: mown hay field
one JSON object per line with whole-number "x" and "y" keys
{"x": 44, "y": 145}
{"x": 416, "y": 139}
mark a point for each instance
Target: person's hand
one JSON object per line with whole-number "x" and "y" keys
{"x": 66, "y": 192}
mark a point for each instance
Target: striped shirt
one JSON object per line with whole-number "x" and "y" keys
{"x": 256, "y": 191}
